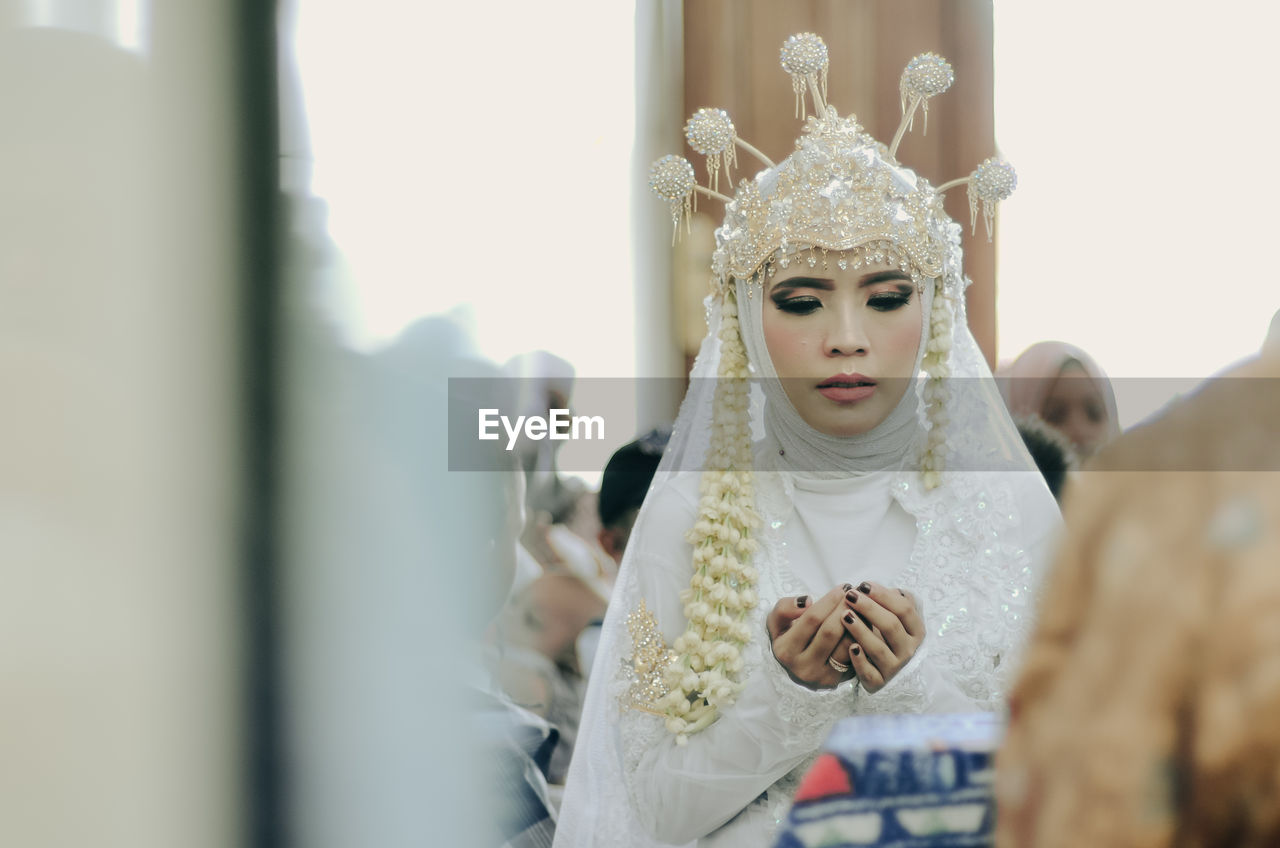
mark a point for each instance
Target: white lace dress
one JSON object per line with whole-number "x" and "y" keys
{"x": 732, "y": 783}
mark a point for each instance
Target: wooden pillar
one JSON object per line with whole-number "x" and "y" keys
{"x": 969, "y": 22}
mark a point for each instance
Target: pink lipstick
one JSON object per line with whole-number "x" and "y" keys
{"x": 847, "y": 388}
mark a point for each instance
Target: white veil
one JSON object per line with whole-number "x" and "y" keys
{"x": 979, "y": 527}
{"x": 978, "y": 535}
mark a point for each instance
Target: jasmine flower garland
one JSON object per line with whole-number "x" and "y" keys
{"x": 934, "y": 364}
{"x": 704, "y": 677}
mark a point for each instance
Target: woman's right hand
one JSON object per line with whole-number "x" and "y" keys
{"x": 804, "y": 633}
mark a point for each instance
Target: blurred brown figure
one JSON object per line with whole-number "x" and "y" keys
{"x": 1148, "y": 710}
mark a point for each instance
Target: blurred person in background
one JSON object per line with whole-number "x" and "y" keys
{"x": 1050, "y": 449}
{"x": 623, "y": 486}
{"x": 516, "y": 746}
{"x": 551, "y": 627}
{"x": 560, "y": 529}
{"x": 1146, "y": 713}
{"x": 536, "y": 661}
{"x": 1063, "y": 386}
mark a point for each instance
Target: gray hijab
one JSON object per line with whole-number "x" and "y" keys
{"x": 806, "y": 451}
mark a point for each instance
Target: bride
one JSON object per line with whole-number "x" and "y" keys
{"x": 874, "y": 548}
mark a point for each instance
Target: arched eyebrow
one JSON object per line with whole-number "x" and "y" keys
{"x": 827, "y": 284}
{"x": 882, "y": 277}
{"x": 819, "y": 283}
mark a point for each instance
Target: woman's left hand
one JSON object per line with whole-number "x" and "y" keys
{"x": 886, "y": 628}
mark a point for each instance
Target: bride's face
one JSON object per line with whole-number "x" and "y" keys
{"x": 843, "y": 342}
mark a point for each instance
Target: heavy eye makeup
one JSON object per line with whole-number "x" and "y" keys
{"x": 796, "y": 295}
{"x": 885, "y": 292}
{"x": 888, "y": 300}
{"x": 888, "y": 290}
{"x": 796, "y": 305}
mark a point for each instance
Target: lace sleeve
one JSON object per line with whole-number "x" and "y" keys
{"x": 807, "y": 714}
{"x": 683, "y": 792}
{"x": 677, "y": 792}
{"x": 975, "y": 568}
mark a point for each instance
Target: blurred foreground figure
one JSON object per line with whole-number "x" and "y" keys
{"x": 438, "y": 542}
{"x": 1146, "y": 714}
{"x": 1271, "y": 345}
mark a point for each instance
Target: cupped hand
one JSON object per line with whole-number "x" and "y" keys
{"x": 805, "y": 633}
{"x": 886, "y": 628}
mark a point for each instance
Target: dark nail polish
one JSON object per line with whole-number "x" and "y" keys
{"x": 902, "y": 593}
{"x": 855, "y": 650}
{"x": 848, "y": 617}
{"x": 802, "y": 601}
{"x": 848, "y": 587}
{"x": 851, "y": 596}
{"x": 864, "y": 588}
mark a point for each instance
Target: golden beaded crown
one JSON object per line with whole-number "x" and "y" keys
{"x": 840, "y": 190}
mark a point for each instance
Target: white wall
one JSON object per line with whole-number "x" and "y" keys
{"x": 1144, "y": 135}
{"x": 478, "y": 160}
